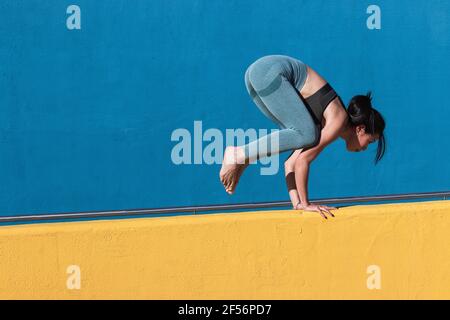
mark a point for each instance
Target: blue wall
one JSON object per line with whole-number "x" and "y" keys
{"x": 86, "y": 116}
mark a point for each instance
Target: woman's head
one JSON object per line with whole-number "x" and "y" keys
{"x": 366, "y": 126}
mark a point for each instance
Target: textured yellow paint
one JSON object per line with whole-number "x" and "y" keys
{"x": 252, "y": 255}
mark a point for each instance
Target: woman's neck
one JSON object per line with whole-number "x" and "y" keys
{"x": 345, "y": 134}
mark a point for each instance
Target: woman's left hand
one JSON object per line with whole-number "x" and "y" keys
{"x": 317, "y": 208}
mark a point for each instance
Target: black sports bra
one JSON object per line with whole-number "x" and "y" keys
{"x": 316, "y": 105}
{"x": 319, "y": 101}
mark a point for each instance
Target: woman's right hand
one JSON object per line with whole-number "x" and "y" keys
{"x": 318, "y": 208}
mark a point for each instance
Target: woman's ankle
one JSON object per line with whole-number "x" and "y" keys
{"x": 240, "y": 156}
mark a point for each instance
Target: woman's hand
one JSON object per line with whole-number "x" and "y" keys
{"x": 315, "y": 207}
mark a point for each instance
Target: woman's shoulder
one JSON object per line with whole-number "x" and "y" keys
{"x": 335, "y": 112}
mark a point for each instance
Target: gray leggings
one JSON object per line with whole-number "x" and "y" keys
{"x": 274, "y": 82}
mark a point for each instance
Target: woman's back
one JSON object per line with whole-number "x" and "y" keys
{"x": 315, "y": 82}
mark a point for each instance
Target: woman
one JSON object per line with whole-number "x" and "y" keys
{"x": 310, "y": 115}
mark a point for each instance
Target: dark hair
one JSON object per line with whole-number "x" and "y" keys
{"x": 361, "y": 112}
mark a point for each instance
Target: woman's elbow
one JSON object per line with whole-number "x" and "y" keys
{"x": 301, "y": 162}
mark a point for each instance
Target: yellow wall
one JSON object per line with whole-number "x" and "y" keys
{"x": 256, "y": 255}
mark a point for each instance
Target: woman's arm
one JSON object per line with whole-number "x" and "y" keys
{"x": 328, "y": 134}
{"x": 289, "y": 167}
{"x": 301, "y": 180}
{"x": 303, "y": 161}
{"x": 289, "y": 172}
{"x": 302, "y": 170}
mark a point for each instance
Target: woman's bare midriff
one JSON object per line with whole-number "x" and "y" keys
{"x": 312, "y": 84}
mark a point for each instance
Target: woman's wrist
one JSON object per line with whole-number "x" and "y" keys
{"x": 305, "y": 204}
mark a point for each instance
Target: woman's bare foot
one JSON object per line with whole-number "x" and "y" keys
{"x": 235, "y": 176}
{"x": 233, "y": 165}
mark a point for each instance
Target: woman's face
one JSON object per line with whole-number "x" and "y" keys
{"x": 359, "y": 139}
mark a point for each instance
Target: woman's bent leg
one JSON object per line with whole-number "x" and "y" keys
{"x": 257, "y": 100}
{"x": 284, "y": 104}
{"x": 279, "y": 101}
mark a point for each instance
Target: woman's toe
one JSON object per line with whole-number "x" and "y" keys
{"x": 232, "y": 186}
{"x": 227, "y": 182}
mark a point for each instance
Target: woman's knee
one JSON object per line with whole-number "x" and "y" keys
{"x": 251, "y": 81}
{"x": 261, "y": 76}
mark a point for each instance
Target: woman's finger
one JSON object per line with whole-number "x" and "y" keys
{"x": 326, "y": 210}
{"x": 322, "y": 214}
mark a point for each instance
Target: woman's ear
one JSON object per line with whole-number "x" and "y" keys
{"x": 361, "y": 129}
